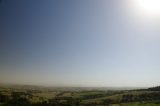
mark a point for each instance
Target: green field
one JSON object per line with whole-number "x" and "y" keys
{"x": 44, "y": 96}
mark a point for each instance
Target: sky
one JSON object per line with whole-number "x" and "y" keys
{"x": 83, "y": 43}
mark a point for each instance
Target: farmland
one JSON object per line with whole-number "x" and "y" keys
{"x": 74, "y": 96}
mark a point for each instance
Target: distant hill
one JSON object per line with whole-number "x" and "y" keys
{"x": 157, "y": 88}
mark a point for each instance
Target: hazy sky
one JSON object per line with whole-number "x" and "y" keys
{"x": 79, "y": 43}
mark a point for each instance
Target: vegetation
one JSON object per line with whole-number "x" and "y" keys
{"x": 11, "y": 96}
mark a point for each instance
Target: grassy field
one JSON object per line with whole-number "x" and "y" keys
{"x": 43, "y": 96}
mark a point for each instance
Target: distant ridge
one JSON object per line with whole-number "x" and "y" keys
{"x": 65, "y": 88}
{"x": 157, "y": 88}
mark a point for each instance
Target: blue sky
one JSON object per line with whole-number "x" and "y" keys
{"x": 78, "y": 43}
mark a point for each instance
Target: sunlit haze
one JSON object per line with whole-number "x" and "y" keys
{"x": 150, "y": 6}
{"x": 93, "y": 43}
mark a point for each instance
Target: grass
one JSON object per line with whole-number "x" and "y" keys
{"x": 86, "y": 96}
{"x": 47, "y": 95}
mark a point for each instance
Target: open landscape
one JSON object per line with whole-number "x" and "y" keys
{"x": 79, "y": 52}
{"x": 18, "y": 95}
